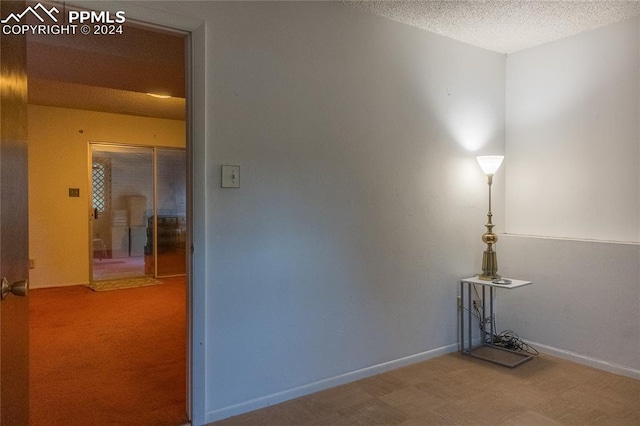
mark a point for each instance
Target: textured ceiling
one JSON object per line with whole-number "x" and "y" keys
{"x": 503, "y": 26}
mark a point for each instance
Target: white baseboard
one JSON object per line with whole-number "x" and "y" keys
{"x": 34, "y": 287}
{"x": 330, "y": 382}
{"x": 320, "y": 385}
{"x": 585, "y": 360}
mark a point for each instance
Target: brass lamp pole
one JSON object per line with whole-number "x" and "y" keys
{"x": 489, "y": 164}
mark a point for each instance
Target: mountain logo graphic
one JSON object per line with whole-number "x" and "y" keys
{"x": 34, "y": 11}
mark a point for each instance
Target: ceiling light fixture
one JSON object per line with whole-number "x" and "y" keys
{"x": 159, "y": 96}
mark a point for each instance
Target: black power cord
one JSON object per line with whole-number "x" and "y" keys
{"x": 507, "y": 339}
{"x": 510, "y": 340}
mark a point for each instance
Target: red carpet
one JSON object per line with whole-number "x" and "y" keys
{"x": 103, "y": 358}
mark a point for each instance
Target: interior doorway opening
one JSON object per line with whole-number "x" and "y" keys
{"x": 94, "y": 88}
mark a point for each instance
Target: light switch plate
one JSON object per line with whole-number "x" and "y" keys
{"x": 230, "y": 176}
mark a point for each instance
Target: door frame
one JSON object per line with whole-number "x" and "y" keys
{"x": 194, "y": 30}
{"x": 196, "y": 129}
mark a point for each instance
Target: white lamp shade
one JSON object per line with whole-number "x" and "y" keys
{"x": 490, "y": 163}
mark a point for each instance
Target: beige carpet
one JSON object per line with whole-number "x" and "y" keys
{"x": 123, "y": 283}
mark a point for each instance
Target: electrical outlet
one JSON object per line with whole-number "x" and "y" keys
{"x": 459, "y": 302}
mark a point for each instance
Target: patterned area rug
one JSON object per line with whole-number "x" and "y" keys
{"x": 123, "y": 283}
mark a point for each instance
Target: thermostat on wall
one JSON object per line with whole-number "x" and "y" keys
{"x": 230, "y": 176}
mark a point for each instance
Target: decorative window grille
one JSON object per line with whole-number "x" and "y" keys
{"x": 101, "y": 183}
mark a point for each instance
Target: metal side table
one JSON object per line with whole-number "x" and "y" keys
{"x": 486, "y": 351}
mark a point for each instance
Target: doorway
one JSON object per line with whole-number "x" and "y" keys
{"x": 64, "y": 80}
{"x": 139, "y": 220}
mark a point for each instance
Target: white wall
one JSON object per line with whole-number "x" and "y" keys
{"x": 573, "y": 152}
{"x": 359, "y": 208}
{"x": 572, "y": 171}
{"x": 583, "y": 303}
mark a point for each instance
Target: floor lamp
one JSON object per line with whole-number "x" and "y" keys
{"x": 489, "y": 164}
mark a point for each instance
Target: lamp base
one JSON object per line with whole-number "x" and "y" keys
{"x": 489, "y": 265}
{"x": 484, "y": 277}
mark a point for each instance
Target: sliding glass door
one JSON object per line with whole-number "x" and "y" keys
{"x": 171, "y": 208}
{"x": 138, "y": 201}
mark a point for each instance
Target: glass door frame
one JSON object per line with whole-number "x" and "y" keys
{"x": 154, "y": 151}
{"x": 156, "y": 210}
